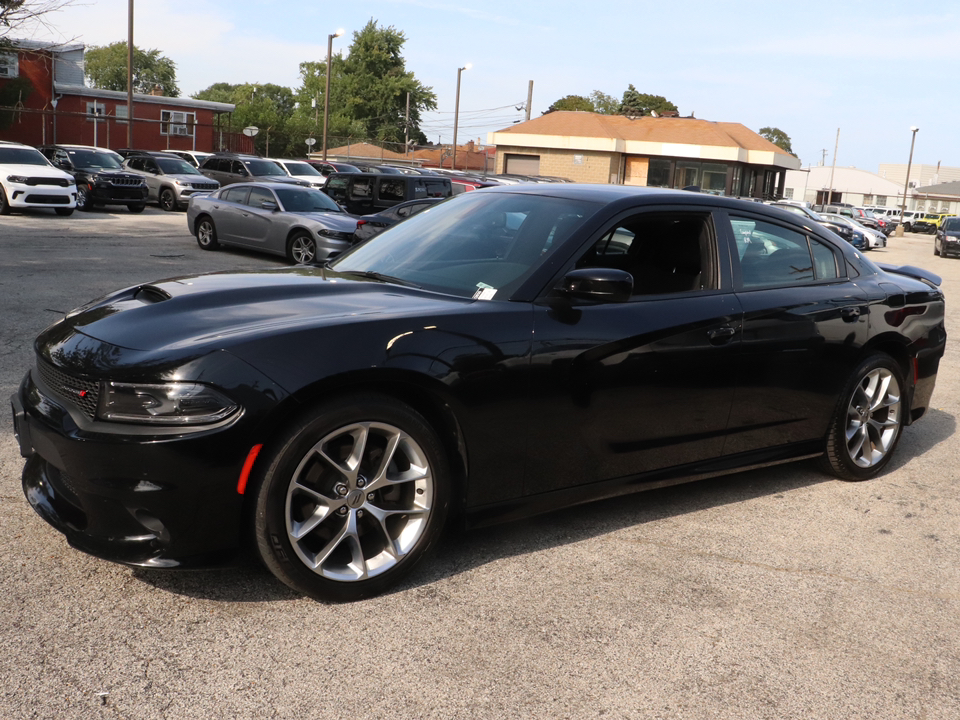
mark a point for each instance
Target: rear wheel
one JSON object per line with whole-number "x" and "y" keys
{"x": 206, "y": 234}
{"x": 350, "y": 498}
{"x": 168, "y": 200}
{"x": 4, "y": 205}
{"x": 868, "y": 421}
{"x": 301, "y": 248}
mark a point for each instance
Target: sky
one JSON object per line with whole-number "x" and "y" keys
{"x": 871, "y": 70}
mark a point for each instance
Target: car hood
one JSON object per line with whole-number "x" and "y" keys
{"x": 224, "y": 309}
{"x": 43, "y": 171}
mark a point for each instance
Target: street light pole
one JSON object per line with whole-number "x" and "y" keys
{"x": 326, "y": 94}
{"x": 456, "y": 116}
{"x": 906, "y": 183}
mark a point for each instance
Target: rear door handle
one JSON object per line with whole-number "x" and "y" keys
{"x": 722, "y": 335}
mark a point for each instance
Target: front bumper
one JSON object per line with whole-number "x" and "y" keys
{"x": 153, "y": 501}
{"x": 110, "y": 194}
{"x": 41, "y": 196}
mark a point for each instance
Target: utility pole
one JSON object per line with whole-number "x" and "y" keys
{"x": 129, "y": 74}
{"x": 529, "y": 98}
{"x": 823, "y": 160}
{"x": 406, "y": 128}
{"x": 830, "y": 189}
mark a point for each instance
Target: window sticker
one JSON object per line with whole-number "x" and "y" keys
{"x": 484, "y": 292}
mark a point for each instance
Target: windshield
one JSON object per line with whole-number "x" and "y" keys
{"x": 482, "y": 245}
{"x": 176, "y": 167}
{"x": 21, "y": 156}
{"x": 95, "y": 159}
{"x": 300, "y": 168}
{"x": 951, "y": 224}
{"x": 264, "y": 167}
{"x": 299, "y": 200}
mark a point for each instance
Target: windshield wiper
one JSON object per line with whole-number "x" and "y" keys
{"x": 372, "y": 275}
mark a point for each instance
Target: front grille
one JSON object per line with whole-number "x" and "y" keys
{"x": 85, "y": 394}
{"x": 47, "y": 199}
{"x": 59, "y": 182}
{"x": 125, "y": 181}
{"x": 204, "y": 186}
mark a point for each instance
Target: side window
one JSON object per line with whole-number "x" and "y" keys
{"x": 771, "y": 255}
{"x": 236, "y": 194}
{"x": 237, "y": 168}
{"x": 150, "y": 165}
{"x": 135, "y": 163}
{"x": 392, "y": 189}
{"x": 670, "y": 252}
{"x": 437, "y": 188}
{"x": 259, "y": 195}
{"x": 362, "y": 188}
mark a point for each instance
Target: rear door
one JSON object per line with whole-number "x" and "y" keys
{"x": 804, "y": 322}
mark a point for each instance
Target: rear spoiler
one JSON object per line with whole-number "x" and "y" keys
{"x": 911, "y": 271}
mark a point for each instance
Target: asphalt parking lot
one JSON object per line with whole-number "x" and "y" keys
{"x": 779, "y": 593}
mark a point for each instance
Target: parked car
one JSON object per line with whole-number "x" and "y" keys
{"x": 301, "y": 170}
{"x": 194, "y": 157}
{"x": 846, "y": 231}
{"x": 229, "y": 168}
{"x": 301, "y": 224}
{"x": 99, "y": 176}
{"x": 171, "y": 180}
{"x": 513, "y": 351}
{"x": 367, "y": 193}
{"x": 947, "y": 241}
{"x": 872, "y": 238}
{"x": 929, "y": 222}
{"x": 370, "y": 225}
{"x": 28, "y": 180}
{"x": 328, "y": 168}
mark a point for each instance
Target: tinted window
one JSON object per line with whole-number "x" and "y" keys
{"x": 951, "y": 224}
{"x": 664, "y": 252}
{"x": 392, "y": 189}
{"x": 264, "y": 167}
{"x": 259, "y": 195}
{"x": 362, "y": 188}
{"x": 300, "y": 168}
{"x": 236, "y": 194}
{"x": 296, "y": 199}
{"x": 176, "y": 167}
{"x": 771, "y": 255}
{"x": 437, "y": 188}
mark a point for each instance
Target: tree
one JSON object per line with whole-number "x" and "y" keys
{"x": 106, "y": 68}
{"x": 572, "y": 102}
{"x": 778, "y": 137}
{"x": 637, "y": 103}
{"x": 16, "y": 16}
{"x": 368, "y": 90}
{"x": 605, "y": 104}
{"x": 268, "y": 107}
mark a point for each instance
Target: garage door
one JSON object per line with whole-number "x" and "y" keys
{"x": 522, "y": 164}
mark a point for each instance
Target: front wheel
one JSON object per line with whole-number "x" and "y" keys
{"x": 301, "y": 248}
{"x": 351, "y": 498}
{"x": 168, "y": 200}
{"x": 83, "y": 199}
{"x": 207, "y": 234}
{"x": 868, "y": 421}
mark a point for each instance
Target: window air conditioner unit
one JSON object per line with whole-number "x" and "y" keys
{"x": 179, "y": 130}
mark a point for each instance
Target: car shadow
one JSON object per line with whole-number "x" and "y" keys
{"x": 249, "y": 581}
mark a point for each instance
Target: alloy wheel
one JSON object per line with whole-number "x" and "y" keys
{"x": 873, "y": 418}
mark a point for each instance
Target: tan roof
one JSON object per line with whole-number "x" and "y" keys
{"x": 689, "y": 131}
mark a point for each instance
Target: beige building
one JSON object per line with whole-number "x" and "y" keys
{"x": 718, "y": 157}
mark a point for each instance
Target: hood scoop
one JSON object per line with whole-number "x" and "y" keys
{"x": 150, "y": 294}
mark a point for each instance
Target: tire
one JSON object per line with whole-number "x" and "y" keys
{"x": 136, "y": 208}
{"x": 64, "y": 212}
{"x": 337, "y": 528}
{"x": 206, "y": 233}
{"x": 83, "y": 199}
{"x": 168, "y": 200}
{"x": 868, "y": 421}
{"x": 4, "y": 205}
{"x": 936, "y": 250}
{"x": 301, "y": 248}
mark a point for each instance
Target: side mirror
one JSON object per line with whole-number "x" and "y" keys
{"x": 606, "y": 285}
{"x": 66, "y": 164}
{"x": 269, "y": 205}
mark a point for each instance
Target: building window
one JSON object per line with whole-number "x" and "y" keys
{"x": 9, "y": 66}
{"x": 173, "y": 122}
{"x": 96, "y": 109}
{"x": 881, "y": 201}
{"x": 687, "y": 174}
{"x": 121, "y": 113}
{"x": 868, "y": 199}
{"x": 713, "y": 178}
{"x": 788, "y": 193}
{"x": 658, "y": 174}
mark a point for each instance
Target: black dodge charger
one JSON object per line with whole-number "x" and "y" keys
{"x": 514, "y": 351}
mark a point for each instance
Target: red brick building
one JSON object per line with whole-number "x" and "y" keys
{"x": 43, "y": 100}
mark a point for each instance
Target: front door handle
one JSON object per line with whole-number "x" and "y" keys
{"x": 722, "y": 335}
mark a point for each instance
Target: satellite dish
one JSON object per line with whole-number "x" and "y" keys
{"x": 251, "y": 130}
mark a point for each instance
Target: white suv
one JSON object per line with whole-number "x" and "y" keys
{"x": 28, "y": 180}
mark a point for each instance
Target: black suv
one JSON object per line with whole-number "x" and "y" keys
{"x": 229, "y": 168}
{"x": 100, "y": 178}
{"x": 366, "y": 193}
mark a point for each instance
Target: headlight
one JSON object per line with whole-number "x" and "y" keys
{"x": 335, "y": 234}
{"x": 167, "y": 404}
{"x": 20, "y": 179}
